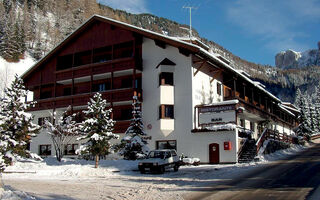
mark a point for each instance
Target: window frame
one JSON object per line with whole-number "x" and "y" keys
{"x": 46, "y": 150}
{"x": 166, "y": 78}
{"x": 219, "y": 88}
{"x": 162, "y": 111}
{"x": 167, "y": 143}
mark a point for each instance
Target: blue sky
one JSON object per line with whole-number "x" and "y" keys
{"x": 252, "y": 29}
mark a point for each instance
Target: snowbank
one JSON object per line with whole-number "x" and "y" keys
{"x": 14, "y": 195}
{"x": 283, "y": 153}
{"x": 50, "y": 168}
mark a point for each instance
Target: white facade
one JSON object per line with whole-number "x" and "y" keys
{"x": 191, "y": 88}
{"x": 189, "y": 91}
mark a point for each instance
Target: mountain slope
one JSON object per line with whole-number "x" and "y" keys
{"x": 43, "y": 24}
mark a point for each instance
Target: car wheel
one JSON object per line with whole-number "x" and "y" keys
{"x": 176, "y": 168}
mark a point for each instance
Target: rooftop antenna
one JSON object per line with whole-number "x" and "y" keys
{"x": 190, "y": 8}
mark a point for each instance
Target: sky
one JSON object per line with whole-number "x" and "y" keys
{"x": 255, "y": 30}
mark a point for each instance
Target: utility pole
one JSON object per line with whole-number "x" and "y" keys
{"x": 190, "y": 8}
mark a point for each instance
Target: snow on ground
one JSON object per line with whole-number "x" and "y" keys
{"x": 14, "y": 195}
{"x": 119, "y": 179}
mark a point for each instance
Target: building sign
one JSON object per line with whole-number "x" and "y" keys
{"x": 217, "y": 115}
{"x": 216, "y": 108}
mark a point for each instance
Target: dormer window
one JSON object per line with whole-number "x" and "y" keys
{"x": 166, "y": 78}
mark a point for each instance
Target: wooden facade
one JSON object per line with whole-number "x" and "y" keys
{"x": 103, "y": 58}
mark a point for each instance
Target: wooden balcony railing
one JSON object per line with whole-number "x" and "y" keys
{"x": 275, "y": 135}
{"x": 98, "y": 68}
{"x": 121, "y": 126}
{"x": 82, "y": 99}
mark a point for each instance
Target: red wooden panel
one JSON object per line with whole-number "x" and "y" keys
{"x": 107, "y": 96}
{"x": 46, "y": 105}
{"x": 122, "y": 95}
{"x": 124, "y": 65}
{"x": 121, "y": 126}
{"x": 48, "y": 72}
{"x": 33, "y": 79}
{"x": 63, "y": 103}
{"x": 102, "y": 69}
{"x": 82, "y": 72}
{"x": 82, "y": 88}
{"x": 81, "y": 100}
{"x": 64, "y": 75}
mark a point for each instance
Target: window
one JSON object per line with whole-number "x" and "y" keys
{"x": 45, "y": 94}
{"x": 126, "y": 83}
{"x": 64, "y": 62}
{"x": 219, "y": 88}
{"x": 126, "y": 114}
{"x": 166, "y": 111}
{"x": 100, "y": 87}
{"x": 102, "y": 54}
{"x": 242, "y": 123}
{"x": 45, "y": 150}
{"x": 41, "y": 120}
{"x": 166, "y": 144}
{"x": 252, "y": 126}
{"x": 70, "y": 149}
{"x": 67, "y": 91}
{"x": 166, "y": 78}
{"x": 82, "y": 58}
{"x": 138, "y": 82}
{"x": 123, "y": 50}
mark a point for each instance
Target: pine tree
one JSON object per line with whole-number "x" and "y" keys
{"x": 304, "y": 126}
{"x": 16, "y": 127}
{"x": 61, "y": 131}
{"x": 135, "y": 146}
{"x": 97, "y": 129}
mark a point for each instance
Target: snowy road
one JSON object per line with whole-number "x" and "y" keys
{"x": 291, "y": 179}
{"x": 73, "y": 179}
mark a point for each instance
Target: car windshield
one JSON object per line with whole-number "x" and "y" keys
{"x": 156, "y": 154}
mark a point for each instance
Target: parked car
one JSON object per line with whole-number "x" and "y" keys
{"x": 159, "y": 161}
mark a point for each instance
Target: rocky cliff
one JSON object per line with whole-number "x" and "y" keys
{"x": 292, "y": 60}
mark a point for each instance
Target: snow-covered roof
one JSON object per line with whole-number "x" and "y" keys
{"x": 229, "y": 102}
{"x": 286, "y": 110}
{"x": 238, "y": 73}
{"x": 294, "y": 109}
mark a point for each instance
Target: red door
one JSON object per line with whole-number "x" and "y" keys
{"x": 214, "y": 153}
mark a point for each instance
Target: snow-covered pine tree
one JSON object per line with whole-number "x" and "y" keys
{"x": 16, "y": 127}
{"x": 61, "y": 131}
{"x": 135, "y": 146}
{"x": 304, "y": 126}
{"x": 298, "y": 101}
{"x": 97, "y": 129}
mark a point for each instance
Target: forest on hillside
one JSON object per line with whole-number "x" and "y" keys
{"x": 37, "y": 26}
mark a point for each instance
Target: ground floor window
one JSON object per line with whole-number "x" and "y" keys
{"x": 70, "y": 149}
{"x": 252, "y": 126}
{"x": 45, "y": 150}
{"x": 166, "y": 144}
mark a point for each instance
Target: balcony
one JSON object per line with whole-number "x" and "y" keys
{"x": 121, "y": 64}
{"x": 254, "y": 107}
{"x": 117, "y": 95}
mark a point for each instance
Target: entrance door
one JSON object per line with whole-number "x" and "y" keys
{"x": 214, "y": 153}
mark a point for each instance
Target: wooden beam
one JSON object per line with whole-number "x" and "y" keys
{"x": 160, "y": 44}
{"x": 216, "y": 74}
{"x": 184, "y": 51}
{"x": 200, "y": 67}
